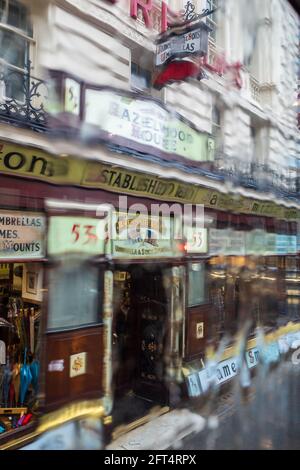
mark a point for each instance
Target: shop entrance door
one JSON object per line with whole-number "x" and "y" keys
{"x": 141, "y": 308}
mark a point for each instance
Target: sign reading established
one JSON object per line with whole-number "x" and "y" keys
{"x": 21, "y": 235}
{"x": 34, "y": 163}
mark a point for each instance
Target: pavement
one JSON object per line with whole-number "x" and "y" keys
{"x": 162, "y": 432}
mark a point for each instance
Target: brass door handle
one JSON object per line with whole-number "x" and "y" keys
{"x": 115, "y": 337}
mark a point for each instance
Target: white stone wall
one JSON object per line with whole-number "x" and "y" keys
{"x": 95, "y": 41}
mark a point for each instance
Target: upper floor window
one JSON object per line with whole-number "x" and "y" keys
{"x": 140, "y": 78}
{"x": 15, "y": 38}
{"x": 216, "y": 119}
{"x": 211, "y": 20}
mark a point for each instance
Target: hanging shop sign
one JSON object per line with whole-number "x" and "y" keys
{"x": 192, "y": 40}
{"x": 76, "y": 235}
{"x": 141, "y": 236}
{"x": 36, "y": 164}
{"x": 141, "y": 123}
{"x": 21, "y": 235}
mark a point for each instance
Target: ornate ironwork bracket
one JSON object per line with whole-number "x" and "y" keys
{"x": 22, "y": 98}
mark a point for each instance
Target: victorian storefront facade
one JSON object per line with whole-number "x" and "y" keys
{"x": 123, "y": 326}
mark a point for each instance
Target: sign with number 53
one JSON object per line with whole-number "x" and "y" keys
{"x": 76, "y": 235}
{"x": 196, "y": 240}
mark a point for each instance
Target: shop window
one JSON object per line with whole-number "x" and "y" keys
{"x": 140, "y": 78}
{"x": 74, "y": 297}
{"x": 20, "y": 340}
{"x": 15, "y": 39}
{"x": 197, "y": 284}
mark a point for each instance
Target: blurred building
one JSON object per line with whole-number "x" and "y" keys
{"x": 81, "y": 123}
{"x": 99, "y": 43}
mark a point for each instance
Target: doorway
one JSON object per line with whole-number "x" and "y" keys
{"x": 140, "y": 326}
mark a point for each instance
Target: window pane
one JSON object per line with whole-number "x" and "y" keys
{"x": 13, "y": 48}
{"x": 2, "y": 11}
{"x": 140, "y": 78}
{"x": 74, "y": 296}
{"x": 17, "y": 15}
{"x": 15, "y": 86}
{"x": 197, "y": 284}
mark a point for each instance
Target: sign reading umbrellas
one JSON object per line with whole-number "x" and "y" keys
{"x": 190, "y": 40}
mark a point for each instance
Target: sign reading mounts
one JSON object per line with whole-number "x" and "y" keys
{"x": 21, "y": 235}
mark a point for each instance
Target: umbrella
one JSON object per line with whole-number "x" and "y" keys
{"x": 35, "y": 369}
{"x": 5, "y": 323}
{"x": 25, "y": 378}
{"x": 16, "y": 380}
{"x": 1, "y": 383}
{"x": 6, "y": 382}
{"x": 11, "y": 394}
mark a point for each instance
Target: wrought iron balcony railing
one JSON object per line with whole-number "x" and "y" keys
{"x": 22, "y": 98}
{"x": 257, "y": 176}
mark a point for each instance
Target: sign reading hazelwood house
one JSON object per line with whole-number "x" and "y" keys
{"x": 21, "y": 235}
{"x": 145, "y": 122}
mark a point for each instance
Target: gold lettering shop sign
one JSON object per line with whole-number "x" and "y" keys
{"x": 37, "y": 164}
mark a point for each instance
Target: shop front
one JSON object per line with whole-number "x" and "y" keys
{"x": 22, "y": 252}
{"x": 123, "y": 313}
{"x": 148, "y": 315}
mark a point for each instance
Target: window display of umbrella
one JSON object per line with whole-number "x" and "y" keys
{"x": 16, "y": 381}
{"x": 34, "y": 369}
{"x": 6, "y": 382}
{"x": 1, "y": 384}
{"x": 25, "y": 378}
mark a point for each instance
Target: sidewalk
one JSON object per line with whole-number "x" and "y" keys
{"x": 161, "y": 432}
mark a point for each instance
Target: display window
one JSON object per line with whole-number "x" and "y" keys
{"x": 20, "y": 322}
{"x": 198, "y": 294}
{"x": 75, "y": 297}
